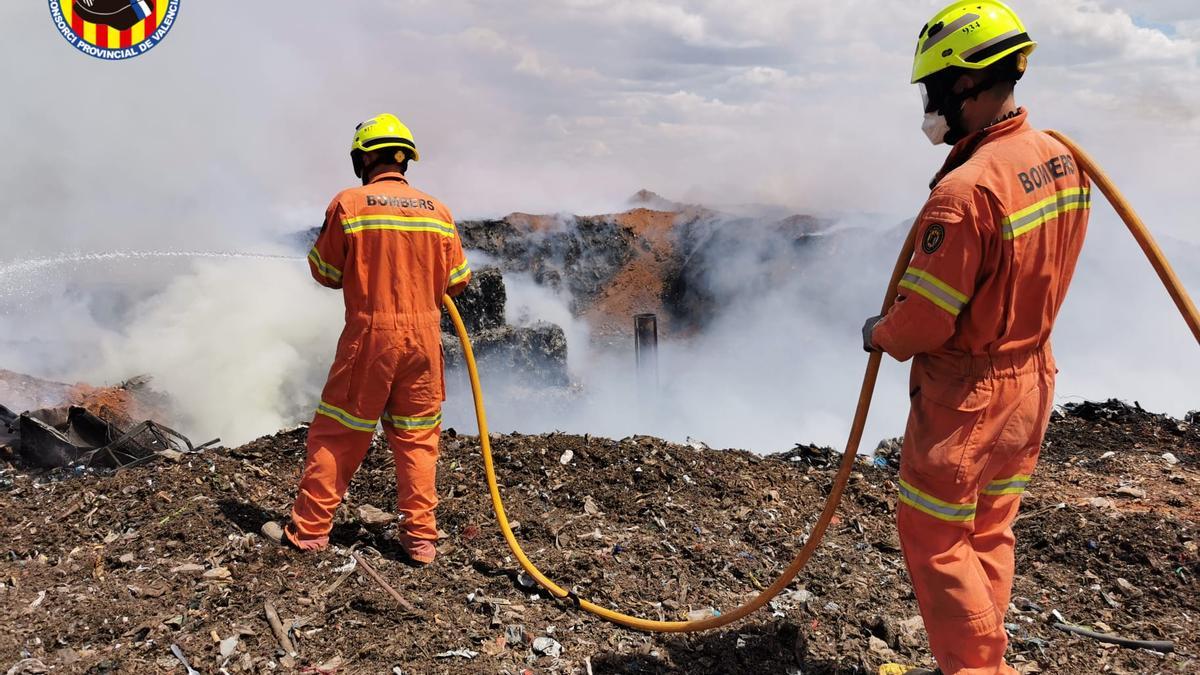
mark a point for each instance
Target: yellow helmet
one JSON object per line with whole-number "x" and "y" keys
{"x": 972, "y": 35}
{"x": 384, "y": 131}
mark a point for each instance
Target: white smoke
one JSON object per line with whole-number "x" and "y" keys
{"x": 782, "y": 361}
{"x": 192, "y": 148}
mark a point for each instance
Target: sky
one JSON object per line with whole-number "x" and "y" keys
{"x": 235, "y": 131}
{"x": 559, "y": 106}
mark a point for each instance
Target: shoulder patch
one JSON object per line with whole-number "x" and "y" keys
{"x": 934, "y": 236}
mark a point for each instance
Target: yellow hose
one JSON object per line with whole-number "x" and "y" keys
{"x": 793, "y": 569}
{"x": 1139, "y": 231}
{"x": 848, "y": 457}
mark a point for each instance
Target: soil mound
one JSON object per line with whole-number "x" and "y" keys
{"x": 107, "y": 572}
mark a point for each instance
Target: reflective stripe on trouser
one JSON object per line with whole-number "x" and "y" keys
{"x": 970, "y": 448}
{"x": 415, "y": 449}
{"x": 391, "y": 374}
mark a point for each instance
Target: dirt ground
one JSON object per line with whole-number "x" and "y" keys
{"x": 105, "y": 573}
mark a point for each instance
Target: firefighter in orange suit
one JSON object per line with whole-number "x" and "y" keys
{"x": 995, "y": 249}
{"x": 393, "y": 251}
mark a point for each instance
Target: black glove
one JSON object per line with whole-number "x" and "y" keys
{"x": 868, "y": 329}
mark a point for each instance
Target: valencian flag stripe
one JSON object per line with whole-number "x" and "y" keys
{"x": 110, "y": 38}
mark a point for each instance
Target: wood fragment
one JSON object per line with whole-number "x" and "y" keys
{"x": 1163, "y": 646}
{"x": 277, "y": 628}
{"x": 383, "y": 583}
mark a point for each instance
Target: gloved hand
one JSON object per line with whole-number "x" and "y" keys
{"x": 868, "y": 329}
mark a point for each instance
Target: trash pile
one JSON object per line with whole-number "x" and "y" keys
{"x": 533, "y": 355}
{"x": 54, "y": 438}
{"x": 659, "y": 257}
{"x": 158, "y": 565}
{"x": 85, "y": 427}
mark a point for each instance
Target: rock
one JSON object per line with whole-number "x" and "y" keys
{"x": 126, "y": 559}
{"x": 701, "y": 614}
{"x": 371, "y": 515}
{"x": 189, "y": 569}
{"x": 147, "y": 591}
{"x": 566, "y": 457}
{"x": 1127, "y": 589}
{"x": 910, "y": 631}
{"x": 1132, "y": 492}
{"x": 1170, "y": 458}
{"x": 1024, "y": 604}
{"x": 1101, "y": 503}
{"x": 229, "y": 646}
{"x": 28, "y": 667}
{"x": 880, "y": 649}
{"x": 217, "y": 574}
{"x": 332, "y": 665}
{"x": 547, "y": 647}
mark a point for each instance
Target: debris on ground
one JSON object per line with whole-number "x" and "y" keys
{"x": 145, "y": 569}
{"x": 55, "y": 438}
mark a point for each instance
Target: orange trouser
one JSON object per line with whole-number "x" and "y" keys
{"x": 973, "y": 438}
{"x": 390, "y": 372}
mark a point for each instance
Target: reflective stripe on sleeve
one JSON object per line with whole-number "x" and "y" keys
{"x": 930, "y": 505}
{"x": 459, "y": 273}
{"x": 413, "y": 423}
{"x": 934, "y": 290}
{"x": 323, "y": 268}
{"x": 398, "y": 223}
{"x": 346, "y": 419}
{"x": 1014, "y": 485}
{"x": 1033, "y": 217}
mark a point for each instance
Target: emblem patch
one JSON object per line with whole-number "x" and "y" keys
{"x": 934, "y": 236}
{"x": 113, "y": 30}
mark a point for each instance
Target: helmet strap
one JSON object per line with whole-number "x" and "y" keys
{"x": 363, "y": 169}
{"x": 950, "y": 104}
{"x": 356, "y": 158}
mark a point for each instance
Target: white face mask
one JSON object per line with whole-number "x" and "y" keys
{"x": 935, "y": 126}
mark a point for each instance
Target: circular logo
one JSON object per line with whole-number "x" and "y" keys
{"x": 934, "y": 236}
{"x": 113, "y": 30}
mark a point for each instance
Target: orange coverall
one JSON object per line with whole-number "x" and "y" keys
{"x": 394, "y": 251}
{"x": 996, "y": 248}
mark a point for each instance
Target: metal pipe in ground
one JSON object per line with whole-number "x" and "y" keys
{"x": 645, "y": 344}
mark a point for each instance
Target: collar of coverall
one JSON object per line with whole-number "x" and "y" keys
{"x": 388, "y": 175}
{"x": 964, "y": 149}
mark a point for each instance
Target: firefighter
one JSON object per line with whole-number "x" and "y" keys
{"x": 393, "y": 251}
{"x": 995, "y": 249}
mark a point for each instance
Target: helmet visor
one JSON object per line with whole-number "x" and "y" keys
{"x": 925, "y": 103}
